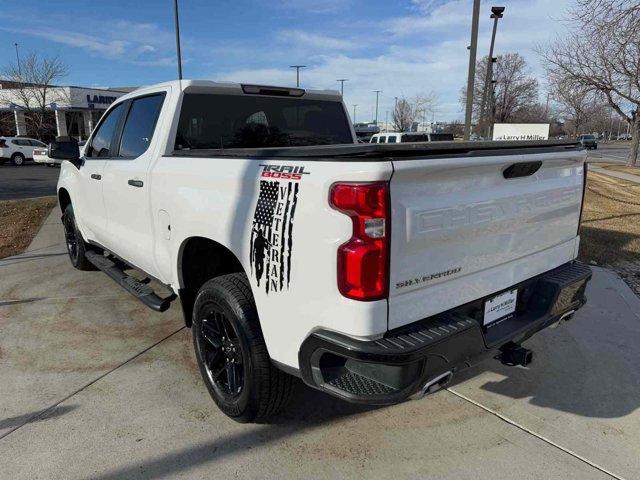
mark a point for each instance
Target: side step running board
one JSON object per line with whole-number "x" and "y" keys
{"x": 137, "y": 288}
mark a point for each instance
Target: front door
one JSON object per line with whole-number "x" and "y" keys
{"x": 126, "y": 185}
{"x": 89, "y": 206}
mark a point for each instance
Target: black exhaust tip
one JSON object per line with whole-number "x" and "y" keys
{"x": 513, "y": 354}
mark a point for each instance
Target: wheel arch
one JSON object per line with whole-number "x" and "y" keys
{"x": 64, "y": 199}
{"x": 201, "y": 259}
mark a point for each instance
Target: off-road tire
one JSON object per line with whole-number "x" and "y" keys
{"x": 77, "y": 255}
{"x": 17, "y": 159}
{"x": 265, "y": 389}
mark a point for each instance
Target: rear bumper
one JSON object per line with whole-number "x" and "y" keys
{"x": 392, "y": 368}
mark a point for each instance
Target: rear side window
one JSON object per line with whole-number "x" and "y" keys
{"x": 392, "y": 139}
{"x": 139, "y": 126}
{"x": 252, "y": 121}
{"x": 102, "y": 139}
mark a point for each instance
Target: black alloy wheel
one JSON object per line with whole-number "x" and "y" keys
{"x": 222, "y": 353}
{"x": 231, "y": 351}
{"x": 71, "y": 236}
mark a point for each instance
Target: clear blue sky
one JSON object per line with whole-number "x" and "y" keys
{"x": 402, "y": 47}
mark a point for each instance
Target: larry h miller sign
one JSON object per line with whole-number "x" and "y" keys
{"x": 521, "y": 131}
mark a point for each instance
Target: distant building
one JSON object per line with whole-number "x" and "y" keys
{"x": 69, "y": 110}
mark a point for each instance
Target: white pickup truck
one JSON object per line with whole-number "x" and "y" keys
{"x": 373, "y": 272}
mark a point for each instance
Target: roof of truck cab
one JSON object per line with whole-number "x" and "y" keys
{"x": 229, "y": 88}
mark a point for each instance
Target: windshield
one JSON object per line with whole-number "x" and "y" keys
{"x": 248, "y": 121}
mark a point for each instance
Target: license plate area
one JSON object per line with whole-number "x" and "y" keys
{"x": 500, "y": 306}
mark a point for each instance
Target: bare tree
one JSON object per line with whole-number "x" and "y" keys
{"x": 602, "y": 52}
{"x": 515, "y": 89}
{"x": 574, "y": 101}
{"x": 406, "y": 111}
{"x": 34, "y": 92}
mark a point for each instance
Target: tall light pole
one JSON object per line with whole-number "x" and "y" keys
{"x": 297, "y": 67}
{"x": 342, "y": 80}
{"x": 18, "y": 59}
{"x": 472, "y": 68}
{"x": 178, "y": 53}
{"x": 377, "y": 92}
{"x": 496, "y": 14}
{"x": 354, "y": 112}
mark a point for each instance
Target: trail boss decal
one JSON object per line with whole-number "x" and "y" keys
{"x": 272, "y": 229}
{"x": 284, "y": 172}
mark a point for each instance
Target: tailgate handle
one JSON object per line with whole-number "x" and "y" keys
{"x": 521, "y": 169}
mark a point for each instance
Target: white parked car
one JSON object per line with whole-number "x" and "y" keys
{"x": 373, "y": 272}
{"x": 18, "y": 149}
{"x": 410, "y": 137}
{"x": 40, "y": 155}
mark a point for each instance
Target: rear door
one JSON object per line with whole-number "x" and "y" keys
{"x": 467, "y": 227}
{"x": 126, "y": 184}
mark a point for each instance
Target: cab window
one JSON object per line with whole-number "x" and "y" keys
{"x": 383, "y": 139}
{"x": 104, "y": 136}
{"x": 374, "y": 139}
{"x": 139, "y": 126}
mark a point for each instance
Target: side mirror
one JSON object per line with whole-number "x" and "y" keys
{"x": 65, "y": 148}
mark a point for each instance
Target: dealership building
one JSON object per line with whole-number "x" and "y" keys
{"x": 69, "y": 110}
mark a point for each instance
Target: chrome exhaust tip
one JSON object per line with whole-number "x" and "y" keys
{"x": 434, "y": 385}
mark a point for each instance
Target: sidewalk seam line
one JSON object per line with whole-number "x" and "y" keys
{"x": 537, "y": 435}
{"x": 51, "y": 407}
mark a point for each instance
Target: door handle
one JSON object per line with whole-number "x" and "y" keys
{"x": 135, "y": 183}
{"x": 96, "y": 176}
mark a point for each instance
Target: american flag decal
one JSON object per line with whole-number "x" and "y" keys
{"x": 272, "y": 234}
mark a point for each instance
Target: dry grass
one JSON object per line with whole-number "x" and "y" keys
{"x": 610, "y": 233}
{"x": 20, "y": 220}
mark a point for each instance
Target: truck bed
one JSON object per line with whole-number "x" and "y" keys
{"x": 384, "y": 152}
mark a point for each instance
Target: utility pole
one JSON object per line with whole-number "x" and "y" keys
{"x": 472, "y": 68}
{"x": 342, "y": 80}
{"x": 496, "y": 14}
{"x": 377, "y": 92}
{"x": 354, "y": 113}
{"x": 178, "y": 53}
{"x": 297, "y": 67}
{"x": 18, "y": 59}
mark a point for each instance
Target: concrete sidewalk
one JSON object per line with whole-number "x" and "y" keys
{"x": 613, "y": 173}
{"x": 124, "y": 399}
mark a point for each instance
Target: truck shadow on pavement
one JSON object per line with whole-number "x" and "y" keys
{"x": 586, "y": 367}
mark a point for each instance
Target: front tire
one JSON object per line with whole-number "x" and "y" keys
{"x": 231, "y": 352}
{"x": 17, "y": 159}
{"x": 76, "y": 246}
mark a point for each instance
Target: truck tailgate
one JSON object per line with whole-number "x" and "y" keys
{"x": 460, "y": 230}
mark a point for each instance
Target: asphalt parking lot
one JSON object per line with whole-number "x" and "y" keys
{"x": 27, "y": 181}
{"x": 95, "y": 385}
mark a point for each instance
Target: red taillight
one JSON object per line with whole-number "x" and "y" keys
{"x": 363, "y": 261}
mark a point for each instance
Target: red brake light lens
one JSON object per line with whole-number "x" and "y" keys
{"x": 363, "y": 261}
